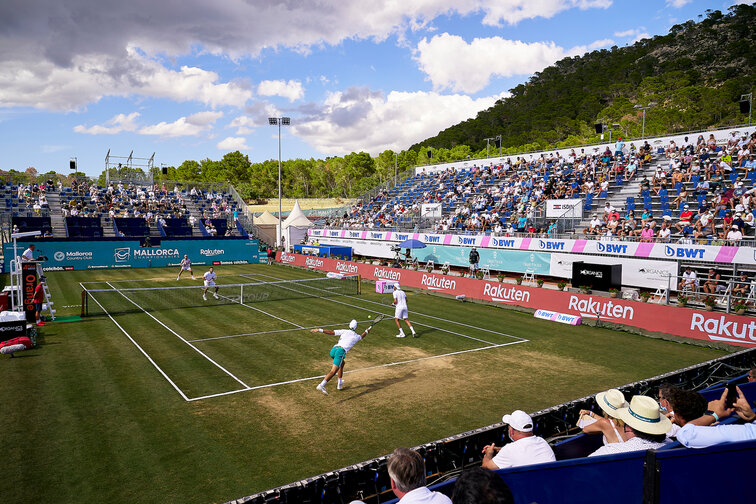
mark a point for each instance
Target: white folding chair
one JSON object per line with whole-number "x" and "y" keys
{"x": 529, "y": 277}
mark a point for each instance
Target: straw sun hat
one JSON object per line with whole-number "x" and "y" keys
{"x": 643, "y": 415}
{"x": 611, "y": 401}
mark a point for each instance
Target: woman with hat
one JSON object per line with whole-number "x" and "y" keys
{"x": 609, "y": 424}
{"x": 645, "y": 427}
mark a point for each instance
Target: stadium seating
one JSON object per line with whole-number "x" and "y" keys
{"x": 174, "y": 227}
{"x": 32, "y": 223}
{"x": 83, "y": 227}
{"x": 131, "y": 227}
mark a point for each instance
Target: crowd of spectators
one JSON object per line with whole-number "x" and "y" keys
{"x": 34, "y": 197}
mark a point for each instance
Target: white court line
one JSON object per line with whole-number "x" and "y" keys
{"x": 262, "y": 311}
{"x": 378, "y": 366}
{"x": 139, "y": 347}
{"x": 273, "y": 332}
{"x": 413, "y": 323}
{"x": 182, "y": 338}
{"x": 415, "y": 312}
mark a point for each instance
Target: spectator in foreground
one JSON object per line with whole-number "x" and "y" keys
{"x": 609, "y": 425}
{"x": 479, "y": 486}
{"x": 407, "y": 472}
{"x": 699, "y": 433}
{"x": 687, "y": 405}
{"x": 645, "y": 427}
{"x": 525, "y": 448}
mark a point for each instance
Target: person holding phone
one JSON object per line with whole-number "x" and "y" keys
{"x": 700, "y": 433}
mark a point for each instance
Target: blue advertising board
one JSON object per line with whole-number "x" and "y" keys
{"x": 81, "y": 255}
{"x": 518, "y": 261}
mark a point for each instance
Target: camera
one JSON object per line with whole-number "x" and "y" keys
{"x": 396, "y": 248}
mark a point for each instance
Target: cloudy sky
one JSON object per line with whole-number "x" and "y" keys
{"x": 193, "y": 79}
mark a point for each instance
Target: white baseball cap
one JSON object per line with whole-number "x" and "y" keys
{"x": 353, "y": 325}
{"x": 519, "y": 420}
{"x": 397, "y": 286}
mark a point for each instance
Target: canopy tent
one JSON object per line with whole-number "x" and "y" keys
{"x": 265, "y": 218}
{"x": 295, "y": 226}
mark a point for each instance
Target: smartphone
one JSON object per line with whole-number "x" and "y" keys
{"x": 732, "y": 395}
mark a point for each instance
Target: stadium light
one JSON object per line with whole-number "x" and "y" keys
{"x": 279, "y": 121}
{"x": 644, "y": 108}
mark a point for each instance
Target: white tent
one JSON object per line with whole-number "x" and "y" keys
{"x": 265, "y": 218}
{"x": 295, "y": 226}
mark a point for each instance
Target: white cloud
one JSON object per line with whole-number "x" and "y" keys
{"x": 117, "y": 124}
{"x": 677, "y": 3}
{"x": 65, "y": 55}
{"x": 244, "y": 125}
{"x": 635, "y": 33}
{"x": 450, "y": 62}
{"x": 192, "y": 125}
{"x": 292, "y": 90}
{"x": 233, "y": 144}
{"x": 360, "y": 119}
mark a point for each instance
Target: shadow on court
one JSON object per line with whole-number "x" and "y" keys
{"x": 367, "y": 388}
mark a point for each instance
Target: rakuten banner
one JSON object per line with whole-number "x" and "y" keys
{"x": 688, "y": 323}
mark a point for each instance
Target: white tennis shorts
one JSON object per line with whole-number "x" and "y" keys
{"x": 209, "y": 283}
{"x": 401, "y": 312}
{"x": 186, "y": 268}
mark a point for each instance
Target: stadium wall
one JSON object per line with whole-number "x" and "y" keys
{"x": 81, "y": 255}
{"x": 684, "y": 322}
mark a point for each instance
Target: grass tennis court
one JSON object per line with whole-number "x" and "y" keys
{"x": 159, "y": 396}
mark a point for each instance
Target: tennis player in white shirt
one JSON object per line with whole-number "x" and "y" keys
{"x": 209, "y": 278}
{"x": 186, "y": 265}
{"x": 401, "y": 312}
{"x": 347, "y": 339}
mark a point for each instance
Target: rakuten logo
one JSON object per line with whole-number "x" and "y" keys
{"x": 311, "y": 262}
{"x": 212, "y": 252}
{"x": 506, "y": 294}
{"x": 589, "y": 307}
{"x": 721, "y": 329}
{"x": 435, "y": 282}
{"x": 287, "y": 258}
{"x": 346, "y": 267}
{"x": 388, "y": 274}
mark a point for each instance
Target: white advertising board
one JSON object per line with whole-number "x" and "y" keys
{"x": 430, "y": 210}
{"x": 564, "y": 208}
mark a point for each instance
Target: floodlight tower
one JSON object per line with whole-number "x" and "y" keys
{"x": 279, "y": 121}
{"x": 644, "y": 108}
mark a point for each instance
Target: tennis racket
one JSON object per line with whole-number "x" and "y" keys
{"x": 376, "y": 320}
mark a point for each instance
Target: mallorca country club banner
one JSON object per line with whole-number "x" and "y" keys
{"x": 677, "y": 251}
{"x": 76, "y": 255}
{"x": 685, "y": 322}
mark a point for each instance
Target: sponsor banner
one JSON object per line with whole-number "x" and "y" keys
{"x": 28, "y": 284}
{"x": 562, "y": 318}
{"x": 564, "y": 208}
{"x": 430, "y": 210}
{"x": 78, "y": 255}
{"x": 503, "y": 260}
{"x": 635, "y": 272}
{"x": 666, "y": 251}
{"x": 697, "y": 324}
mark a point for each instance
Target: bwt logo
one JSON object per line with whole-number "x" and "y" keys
{"x": 122, "y": 254}
{"x": 388, "y": 274}
{"x": 463, "y": 240}
{"x": 59, "y": 256}
{"x": 346, "y": 267}
{"x": 354, "y": 234}
{"x": 498, "y": 242}
{"x": 611, "y": 248}
{"x": 334, "y": 233}
{"x": 287, "y": 258}
{"x": 311, "y": 262}
{"x": 376, "y": 236}
{"x": 551, "y": 245}
{"x": 402, "y": 237}
{"x": 432, "y": 239}
{"x": 691, "y": 253}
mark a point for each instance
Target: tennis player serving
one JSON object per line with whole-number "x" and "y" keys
{"x": 347, "y": 339}
{"x": 186, "y": 265}
{"x": 401, "y": 312}
{"x": 209, "y": 278}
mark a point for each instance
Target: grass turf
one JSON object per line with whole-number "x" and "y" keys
{"x": 88, "y": 418}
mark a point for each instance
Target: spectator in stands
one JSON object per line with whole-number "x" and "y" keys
{"x": 713, "y": 283}
{"x": 473, "y": 258}
{"x": 734, "y": 235}
{"x": 479, "y": 486}
{"x": 406, "y": 469}
{"x": 742, "y": 286}
{"x": 686, "y": 217}
{"x": 645, "y": 427}
{"x": 751, "y": 375}
{"x": 609, "y": 425}
{"x": 689, "y": 280}
{"x": 525, "y": 448}
{"x": 697, "y": 433}
{"x": 664, "y": 231}
{"x": 686, "y": 404}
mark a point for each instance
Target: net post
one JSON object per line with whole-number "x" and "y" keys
{"x": 359, "y": 284}
{"x": 241, "y": 294}
{"x": 83, "y": 302}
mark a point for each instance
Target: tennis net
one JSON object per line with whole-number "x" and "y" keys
{"x": 114, "y": 300}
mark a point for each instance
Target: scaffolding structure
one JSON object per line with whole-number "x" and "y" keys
{"x": 129, "y": 169}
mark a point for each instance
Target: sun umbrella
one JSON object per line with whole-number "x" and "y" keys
{"x": 412, "y": 244}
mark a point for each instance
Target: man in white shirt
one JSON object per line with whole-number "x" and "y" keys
{"x": 689, "y": 280}
{"x": 347, "y": 339}
{"x": 401, "y": 312}
{"x": 525, "y": 448}
{"x": 406, "y": 469}
{"x": 699, "y": 433}
{"x": 28, "y": 254}
{"x": 645, "y": 427}
{"x": 209, "y": 278}
{"x": 186, "y": 265}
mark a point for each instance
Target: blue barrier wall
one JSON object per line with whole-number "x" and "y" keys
{"x": 496, "y": 259}
{"x": 79, "y": 255}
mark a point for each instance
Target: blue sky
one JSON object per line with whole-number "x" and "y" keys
{"x": 191, "y": 79}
